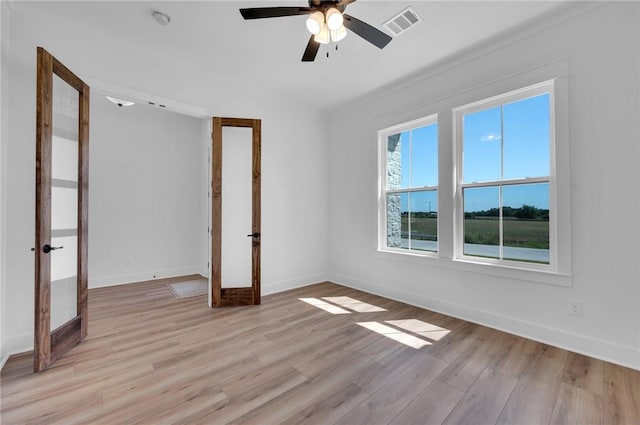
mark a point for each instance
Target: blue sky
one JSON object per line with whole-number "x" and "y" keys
{"x": 524, "y": 140}
{"x": 421, "y": 167}
{"x": 507, "y": 142}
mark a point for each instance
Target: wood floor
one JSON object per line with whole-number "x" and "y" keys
{"x": 154, "y": 359}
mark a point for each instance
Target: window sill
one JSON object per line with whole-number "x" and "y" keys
{"x": 470, "y": 266}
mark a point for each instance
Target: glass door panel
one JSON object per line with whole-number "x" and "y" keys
{"x": 64, "y": 203}
{"x": 236, "y": 207}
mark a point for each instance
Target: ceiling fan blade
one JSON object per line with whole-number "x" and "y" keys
{"x": 311, "y": 51}
{"x": 273, "y": 12}
{"x": 366, "y": 31}
{"x": 345, "y": 3}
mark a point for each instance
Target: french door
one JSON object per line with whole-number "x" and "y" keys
{"x": 235, "y": 211}
{"x": 62, "y": 159}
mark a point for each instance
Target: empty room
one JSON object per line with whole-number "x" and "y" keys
{"x": 319, "y": 212}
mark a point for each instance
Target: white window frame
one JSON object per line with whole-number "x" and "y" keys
{"x": 449, "y": 205}
{"x": 546, "y": 87}
{"x": 383, "y": 191}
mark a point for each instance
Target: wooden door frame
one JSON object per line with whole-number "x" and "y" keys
{"x": 234, "y": 296}
{"x": 50, "y": 345}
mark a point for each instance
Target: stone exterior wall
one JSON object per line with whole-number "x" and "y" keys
{"x": 394, "y": 181}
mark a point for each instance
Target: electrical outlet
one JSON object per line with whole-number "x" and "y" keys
{"x": 128, "y": 261}
{"x": 575, "y": 308}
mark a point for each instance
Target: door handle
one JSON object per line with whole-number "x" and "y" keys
{"x": 254, "y": 235}
{"x": 48, "y": 248}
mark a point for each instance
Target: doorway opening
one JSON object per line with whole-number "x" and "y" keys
{"x": 149, "y": 197}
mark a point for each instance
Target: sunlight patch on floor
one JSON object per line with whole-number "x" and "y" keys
{"x": 411, "y": 332}
{"x": 330, "y": 308}
{"x": 354, "y": 304}
{"x": 433, "y": 332}
{"x": 395, "y": 334}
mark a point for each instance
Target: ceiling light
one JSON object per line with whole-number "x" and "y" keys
{"x": 161, "y": 18}
{"x": 338, "y": 34}
{"x": 334, "y": 19}
{"x": 323, "y": 36}
{"x": 315, "y": 22}
{"x": 120, "y": 102}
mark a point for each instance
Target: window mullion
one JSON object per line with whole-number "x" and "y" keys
{"x": 506, "y": 182}
{"x": 409, "y": 219}
{"x": 410, "y": 185}
{"x": 500, "y": 215}
{"x": 500, "y": 223}
{"x": 415, "y": 189}
{"x": 409, "y": 209}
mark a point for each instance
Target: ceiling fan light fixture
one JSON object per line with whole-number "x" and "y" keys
{"x": 334, "y": 19}
{"x": 323, "y": 37}
{"x": 338, "y": 34}
{"x": 315, "y": 22}
{"x": 325, "y": 20}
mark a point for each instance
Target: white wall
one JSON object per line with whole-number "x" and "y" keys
{"x": 4, "y": 42}
{"x": 600, "y": 47}
{"x": 294, "y": 188}
{"x": 147, "y": 193}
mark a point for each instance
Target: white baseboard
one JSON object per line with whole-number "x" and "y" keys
{"x": 204, "y": 272}
{"x": 604, "y": 350}
{"x": 285, "y": 285}
{"x": 99, "y": 282}
{"x": 16, "y": 345}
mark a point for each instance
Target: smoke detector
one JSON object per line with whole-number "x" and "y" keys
{"x": 161, "y": 18}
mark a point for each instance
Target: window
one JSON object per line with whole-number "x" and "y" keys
{"x": 476, "y": 187}
{"x": 409, "y": 197}
{"x": 504, "y": 177}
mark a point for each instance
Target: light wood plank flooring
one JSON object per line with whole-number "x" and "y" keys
{"x": 153, "y": 359}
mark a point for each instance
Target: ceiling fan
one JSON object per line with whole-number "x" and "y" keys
{"x": 327, "y": 22}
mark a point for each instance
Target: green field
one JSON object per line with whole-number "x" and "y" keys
{"x": 485, "y": 231}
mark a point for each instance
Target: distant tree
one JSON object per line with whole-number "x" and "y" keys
{"x": 508, "y": 211}
{"x": 526, "y": 212}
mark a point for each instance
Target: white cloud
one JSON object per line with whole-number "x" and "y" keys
{"x": 490, "y": 137}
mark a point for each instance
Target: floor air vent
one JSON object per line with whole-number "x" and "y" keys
{"x": 402, "y": 21}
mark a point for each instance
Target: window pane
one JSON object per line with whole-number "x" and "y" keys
{"x": 526, "y": 138}
{"x": 481, "y": 150}
{"x": 482, "y": 221}
{"x": 424, "y": 220}
{"x": 424, "y": 156}
{"x": 398, "y": 159}
{"x": 397, "y": 220}
{"x": 526, "y": 222}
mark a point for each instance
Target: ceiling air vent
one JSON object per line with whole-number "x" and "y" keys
{"x": 402, "y": 21}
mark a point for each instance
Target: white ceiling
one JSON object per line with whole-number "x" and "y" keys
{"x": 212, "y": 35}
